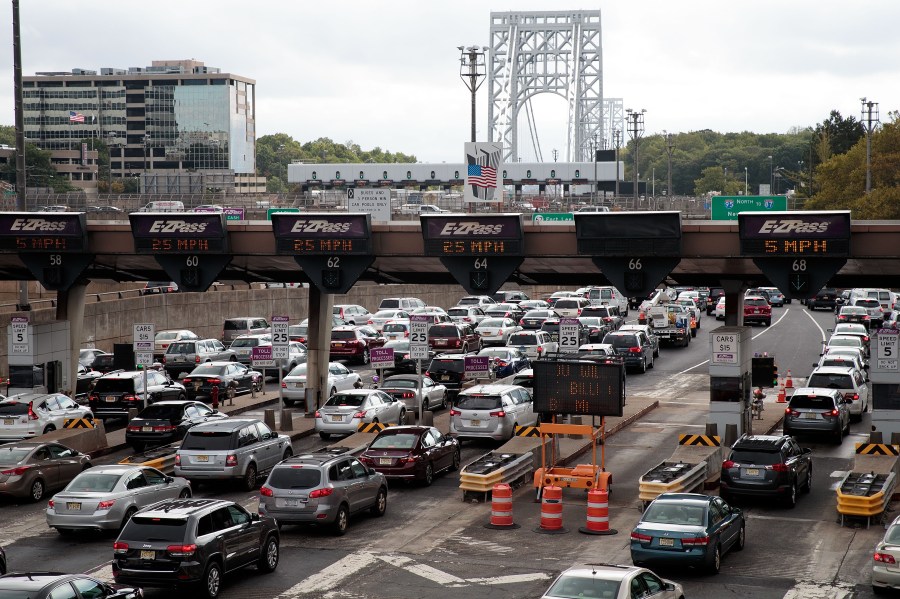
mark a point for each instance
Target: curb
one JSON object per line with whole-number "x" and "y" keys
{"x": 618, "y": 427}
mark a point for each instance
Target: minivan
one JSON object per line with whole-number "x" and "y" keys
{"x": 244, "y": 325}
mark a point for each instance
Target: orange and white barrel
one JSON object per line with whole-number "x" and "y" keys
{"x": 597, "y": 514}
{"x": 501, "y": 506}
{"x": 551, "y": 510}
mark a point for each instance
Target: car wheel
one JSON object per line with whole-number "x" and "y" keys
{"x": 250, "y": 477}
{"x": 36, "y": 493}
{"x": 839, "y": 436}
{"x": 212, "y": 580}
{"x": 268, "y": 559}
{"x": 49, "y": 429}
{"x": 739, "y": 542}
{"x": 364, "y": 359}
{"x": 846, "y": 430}
{"x": 185, "y": 493}
{"x": 423, "y": 408}
{"x": 651, "y": 362}
{"x": 643, "y": 366}
{"x": 128, "y": 514}
{"x": 715, "y": 561}
{"x": 790, "y": 500}
{"x": 287, "y": 453}
{"x": 880, "y": 590}
{"x": 445, "y": 401}
{"x": 401, "y": 420}
{"x": 457, "y": 459}
{"x": 807, "y": 485}
{"x": 429, "y": 475}
{"x": 465, "y": 348}
{"x": 288, "y": 402}
{"x": 325, "y": 436}
{"x": 656, "y": 352}
{"x": 341, "y": 521}
{"x": 380, "y": 506}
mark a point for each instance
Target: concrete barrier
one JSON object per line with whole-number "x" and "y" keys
{"x": 85, "y": 440}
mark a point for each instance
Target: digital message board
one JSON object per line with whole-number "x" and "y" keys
{"x": 322, "y": 234}
{"x": 179, "y": 233}
{"x": 473, "y": 235}
{"x": 572, "y": 386}
{"x": 628, "y": 234}
{"x": 795, "y": 234}
{"x": 43, "y": 232}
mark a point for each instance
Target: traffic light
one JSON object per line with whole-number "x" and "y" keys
{"x": 763, "y": 372}
{"x": 774, "y": 374}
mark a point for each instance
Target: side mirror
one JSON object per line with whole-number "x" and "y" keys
{"x": 669, "y": 586}
{"x": 169, "y": 480}
{"x": 372, "y": 472}
{"x": 254, "y": 517}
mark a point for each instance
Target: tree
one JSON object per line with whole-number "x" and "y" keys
{"x": 841, "y": 134}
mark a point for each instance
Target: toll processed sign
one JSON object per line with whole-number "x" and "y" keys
{"x": 587, "y": 387}
{"x": 728, "y": 207}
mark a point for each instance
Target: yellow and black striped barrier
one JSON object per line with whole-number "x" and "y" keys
{"x": 78, "y": 423}
{"x": 528, "y": 431}
{"x": 701, "y": 440}
{"x": 877, "y": 449}
{"x": 371, "y": 427}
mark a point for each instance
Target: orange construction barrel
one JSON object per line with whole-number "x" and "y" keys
{"x": 551, "y": 511}
{"x": 597, "y": 514}
{"x": 501, "y": 507}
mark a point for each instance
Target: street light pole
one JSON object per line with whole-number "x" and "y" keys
{"x": 670, "y": 148}
{"x": 771, "y": 177}
{"x": 870, "y": 118}
{"x": 746, "y": 187}
{"x": 635, "y": 130}
{"x": 618, "y": 135}
{"x": 472, "y": 70}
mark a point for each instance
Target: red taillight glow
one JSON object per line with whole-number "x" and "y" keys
{"x": 197, "y": 359}
{"x": 778, "y": 468}
{"x": 31, "y": 414}
{"x": 642, "y": 538}
{"x": 130, "y": 398}
{"x": 454, "y": 412}
{"x": 317, "y": 415}
{"x": 266, "y": 491}
{"x": 884, "y": 558}
{"x": 361, "y": 414}
{"x": 186, "y": 380}
{"x": 321, "y": 493}
{"x": 51, "y": 504}
{"x": 177, "y": 460}
{"x": 283, "y": 385}
{"x": 231, "y": 460}
{"x": 634, "y": 350}
{"x": 407, "y": 395}
{"x": 728, "y": 464}
{"x": 165, "y": 428}
{"x": 17, "y": 471}
{"x": 120, "y": 547}
{"x": 831, "y": 413}
{"x": 498, "y": 414}
{"x": 105, "y": 505}
{"x": 134, "y": 429}
{"x": 692, "y": 541}
{"x": 181, "y": 550}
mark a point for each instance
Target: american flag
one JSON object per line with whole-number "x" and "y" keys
{"x": 482, "y": 176}
{"x": 74, "y": 117}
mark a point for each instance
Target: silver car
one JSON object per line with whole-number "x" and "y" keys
{"x": 340, "y": 378}
{"x": 496, "y": 331}
{"x": 184, "y": 356}
{"x": 492, "y": 411}
{"x": 817, "y": 410}
{"x": 233, "y": 449}
{"x": 105, "y": 497}
{"x": 405, "y": 388}
{"x": 346, "y": 410}
{"x": 243, "y": 346}
{"x": 322, "y": 488}
{"x": 377, "y": 320}
{"x": 885, "y": 573}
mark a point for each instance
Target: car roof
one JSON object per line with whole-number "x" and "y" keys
{"x": 180, "y": 508}
{"x": 344, "y": 327}
{"x": 33, "y": 581}
{"x": 602, "y": 571}
{"x": 759, "y": 441}
{"x": 116, "y": 468}
{"x": 693, "y": 498}
{"x": 833, "y": 370}
{"x": 491, "y": 388}
{"x": 253, "y": 336}
{"x": 229, "y": 424}
{"x": 122, "y": 374}
{"x": 815, "y": 391}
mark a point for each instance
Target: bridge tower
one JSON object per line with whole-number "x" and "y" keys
{"x": 556, "y": 52}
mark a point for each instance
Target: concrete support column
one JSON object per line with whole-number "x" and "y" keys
{"x": 70, "y": 306}
{"x": 319, "y": 347}
{"x": 734, "y": 302}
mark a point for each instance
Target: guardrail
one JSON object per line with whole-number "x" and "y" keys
{"x": 670, "y": 477}
{"x": 864, "y": 494}
{"x": 161, "y": 458}
{"x": 492, "y": 468}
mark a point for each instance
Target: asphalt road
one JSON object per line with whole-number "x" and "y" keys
{"x": 432, "y": 544}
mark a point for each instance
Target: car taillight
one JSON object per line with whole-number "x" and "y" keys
{"x": 196, "y": 359}
{"x": 94, "y": 397}
{"x": 885, "y": 558}
{"x": 231, "y": 460}
{"x": 634, "y": 350}
{"x": 370, "y": 321}
{"x": 454, "y": 412}
{"x": 181, "y": 550}
{"x": 501, "y": 363}
{"x": 130, "y": 398}
{"x": 428, "y": 374}
{"x": 321, "y": 493}
{"x": 366, "y": 459}
{"x": 317, "y": 415}
{"x": 120, "y": 547}
{"x": 866, "y": 338}
{"x": 361, "y": 414}
{"x": 105, "y": 505}
{"x": 133, "y": 429}
{"x": 266, "y": 491}
{"x": 31, "y": 414}
{"x": 177, "y": 460}
{"x": 163, "y": 360}
{"x": 607, "y": 318}
{"x": 165, "y": 428}
{"x": 728, "y": 464}
{"x": 283, "y": 385}
{"x": 214, "y": 381}
{"x": 642, "y": 538}
{"x": 498, "y": 414}
{"x": 17, "y": 471}
{"x": 522, "y": 321}
{"x": 540, "y": 349}
{"x": 406, "y": 333}
{"x": 831, "y": 413}
{"x": 408, "y": 395}
{"x": 51, "y": 504}
{"x": 186, "y": 380}
{"x": 781, "y": 467}
{"x": 692, "y": 541}
{"x": 791, "y": 412}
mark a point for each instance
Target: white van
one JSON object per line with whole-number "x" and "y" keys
{"x": 608, "y": 296}
{"x": 884, "y": 297}
{"x": 163, "y": 206}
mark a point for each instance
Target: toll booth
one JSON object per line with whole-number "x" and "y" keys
{"x": 730, "y": 379}
{"x": 40, "y": 358}
{"x": 884, "y": 374}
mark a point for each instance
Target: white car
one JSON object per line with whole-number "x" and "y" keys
{"x": 533, "y": 344}
{"x": 164, "y": 339}
{"x": 849, "y": 381}
{"x": 421, "y": 209}
{"x": 847, "y": 341}
{"x": 496, "y": 331}
{"x": 340, "y": 378}
{"x": 534, "y": 305}
{"x": 466, "y": 315}
{"x": 395, "y": 330}
{"x": 429, "y": 310}
{"x": 614, "y": 582}
{"x": 691, "y": 305}
{"x": 481, "y": 301}
{"x": 29, "y": 415}
{"x": 720, "y": 309}
{"x": 377, "y": 320}
{"x": 851, "y": 328}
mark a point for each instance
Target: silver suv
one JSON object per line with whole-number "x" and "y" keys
{"x": 184, "y": 356}
{"x": 237, "y": 448}
{"x": 243, "y": 346}
{"x": 322, "y": 488}
{"x": 492, "y": 411}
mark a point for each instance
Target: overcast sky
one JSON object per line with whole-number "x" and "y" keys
{"x": 387, "y": 73}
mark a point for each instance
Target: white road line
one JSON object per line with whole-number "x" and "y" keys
{"x": 511, "y": 578}
{"x": 819, "y": 590}
{"x": 427, "y": 572}
{"x": 769, "y": 328}
{"x": 821, "y": 331}
{"x": 329, "y": 577}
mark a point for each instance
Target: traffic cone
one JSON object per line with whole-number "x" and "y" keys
{"x": 788, "y": 382}
{"x": 781, "y": 395}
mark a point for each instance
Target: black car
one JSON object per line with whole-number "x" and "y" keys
{"x": 449, "y": 370}
{"x": 181, "y": 543}
{"x": 167, "y": 422}
{"x": 50, "y": 585}
{"x": 85, "y": 381}
{"x": 714, "y": 294}
{"x": 597, "y": 328}
{"x": 825, "y": 298}
{"x": 766, "y": 466}
{"x": 104, "y": 363}
{"x": 232, "y": 378}
{"x": 117, "y": 392}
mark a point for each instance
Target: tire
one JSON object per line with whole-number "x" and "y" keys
{"x": 182, "y": 397}
{"x": 715, "y": 562}
{"x": 457, "y": 459}
{"x": 656, "y": 352}
{"x": 212, "y": 581}
{"x": 288, "y": 402}
{"x": 742, "y": 537}
{"x": 325, "y": 436}
{"x": 287, "y": 453}
{"x": 248, "y": 482}
{"x": 423, "y": 408}
{"x": 790, "y": 500}
{"x": 846, "y": 430}
{"x": 807, "y": 484}
{"x": 185, "y": 493}
{"x": 401, "y": 420}
{"x": 643, "y": 366}
{"x": 364, "y": 359}
{"x": 429, "y": 474}
{"x": 341, "y": 521}
{"x": 380, "y": 507}
{"x": 446, "y": 402}
{"x": 880, "y": 590}
{"x": 37, "y": 490}
{"x": 131, "y": 511}
{"x": 652, "y": 362}
{"x": 268, "y": 558}
{"x": 768, "y": 323}
{"x": 49, "y": 429}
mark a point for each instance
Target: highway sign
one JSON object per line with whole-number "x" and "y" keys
{"x": 568, "y": 334}
{"x": 382, "y": 357}
{"x": 19, "y": 326}
{"x": 144, "y": 336}
{"x": 727, "y": 207}
{"x": 376, "y": 202}
{"x": 280, "y": 352}
{"x": 418, "y": 336}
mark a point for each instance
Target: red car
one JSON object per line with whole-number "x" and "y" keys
{"x": 453, "y": 337}
{"x": 757, "y": 309}
{"x": 354, "y": 343}
{"x": 412, "y": 453}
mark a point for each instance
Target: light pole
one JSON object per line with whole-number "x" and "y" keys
{"x": 670, "y": 148}
{"x": 618, "y": 135}
{"x": 635, "y": 130}
{"x": 725, "y": 184}
{"x": 472, "y": 70}
{"x": 594, "y": 188}
{"x": 870, "y": 119}
{"x": 771, "y": 177}
{"x": 746, "y": 187}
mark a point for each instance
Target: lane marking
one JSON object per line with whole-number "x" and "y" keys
{"x": 427, "y": 572}
{"x": 331, "y": 576}
{"x": 821, "y": 331}
{"x": 511, "y": 578}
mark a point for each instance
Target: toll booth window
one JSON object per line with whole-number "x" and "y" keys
{"x": 26, "y": 377}
{"x": 886, "y": 397}
{"x": 725, "y": 389}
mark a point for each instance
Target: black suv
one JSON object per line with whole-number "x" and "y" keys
{"x": 449, "y": 370}
{"x": 117, "y": 392}
{"x": 825, "y": 298}
{"x": 766, "y": 466}
{"x": 713, "y": 298}
{"x": 185, "y": 542}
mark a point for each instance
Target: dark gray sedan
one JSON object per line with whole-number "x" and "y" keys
{"x": 32, "y": 468}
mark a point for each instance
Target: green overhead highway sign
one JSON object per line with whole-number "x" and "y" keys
{"x": 728, "y": 207}
{"x": 271, "y": 210}
{"x": 551, "y": 217}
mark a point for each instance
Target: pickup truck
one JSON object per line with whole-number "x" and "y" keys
{"x": 671, "y": 323}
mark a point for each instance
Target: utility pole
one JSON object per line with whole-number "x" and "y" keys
{"x": 472, "y": 70}
{"x": 23, "y": 304}
{"x": 670, "y": 149}
{"x": 871, "y": 120}
{"x": 618, "y": 135}
{"x": 635, "y": 130}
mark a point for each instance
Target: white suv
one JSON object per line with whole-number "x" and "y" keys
{"x": 30, "y": 415}
{"x": 849, "y": 381}
{"x": 533, "y": 344}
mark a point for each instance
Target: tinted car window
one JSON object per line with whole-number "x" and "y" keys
{"x": 812, "y": 402}
{"x": 479, "y": 402}
{"x": 246, "y": 342}
{"x": 209, "y": 440}
{"x": 446, "y": 365}
{"x": 444, "y": 330}
{"x": 164, "y": 529}
{"x": 343, "y": 334}
{"x": 115, "y": 386}
{"x": 13, "y": 409}
{"x": 830, "y": 381}
{"x": 182, "y": 347}
{"x": 754, "y": 302}
{"x": 621, "y": 340}
{"x": 208, "y": 369}
{"x": 750, "y": 456}
{"x": 522, "y": 339}
{"x": 235, "y": 325}
{"x": 294, "y": 478}
{"x": 162, "y": 411}
{"x": 345, "y": 400}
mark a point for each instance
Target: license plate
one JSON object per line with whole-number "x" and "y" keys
{"x": 809, "y": 416}
{"x": 752, "y": 471}
{"x": 337, "y": 418}
{"x": 148, "y": 554}
{"x": 667, "y": 542}
{"x": 289, "y": 502}
{"x": 202, "y": 458}
{"x": 146, "y": 429}
{"x": 385, "y": 461}
{"x": 475, "y": 422}
{"x": 9, "y": 421}
{"x": 110, "y": 398}
{"x": 445, "y": 377}
{"x": 70, "y": 505}
{"x": 440, "y": 342}
{"x": 297, "y": 385}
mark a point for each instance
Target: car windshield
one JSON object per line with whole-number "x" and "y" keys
{"x": 812, "y": 402}
{"x": 182, "y": 347}
{"x": 752, "y": 456}
{"x": 344, "y": 399}
{"x": 294, "y": 477}
{"x": 297, "y": 330}
{"x": 660, "y": 512}
{"x": 245, "y": 342}
{"x": 13, "y": 408}
{"x": 522, "y": 339}
{"x": 235, "y": 325}
{"x": 13, "y": 454}
{"x": 208, "y": 368}
{"x": 161, "y": 411}
{"x": 396, "y": 327}
{"x": 845, "y": 342}
{"x": 566, "y": 304}
{"x": 479, "y": 402}
{"x": 299, "y": 370}
{"x": 853, "y": 310}
{"x": 94, "y": 482}
{"x": 830, "y": 381}
{"x": 207, "y": 440}
{"x": 576, "y": 587}
{"x": 754, "y": 301}
{"x": 395, "y": 441}
{"x": 468, "y": 301}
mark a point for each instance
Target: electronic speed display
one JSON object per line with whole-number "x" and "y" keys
{"x": 795, "y": 234}
{"x": 179, "y": 233}
{"x": 322, "y": 234}
{"x": 43, "y": 232}
{"x": 473, "y": 235}
{"x": 587, "y": 387}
